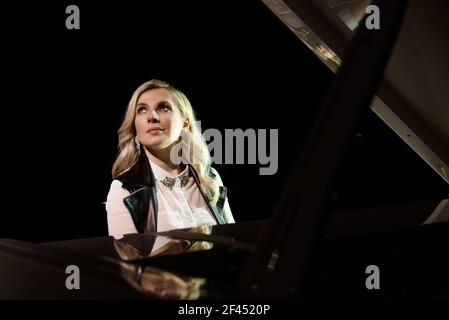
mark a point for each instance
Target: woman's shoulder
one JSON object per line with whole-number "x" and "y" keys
{"x": 116, "y": 184}
{"x": 116, "y": 195}
{"x": 116, "y": 188}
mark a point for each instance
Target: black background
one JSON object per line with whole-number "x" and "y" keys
{"x": 65, "y": 92}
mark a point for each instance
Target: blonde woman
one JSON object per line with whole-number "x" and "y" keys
{"x": 151, "y": 190}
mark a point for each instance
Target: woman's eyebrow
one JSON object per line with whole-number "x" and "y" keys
{"x": 164, "y": 104}
{"x": 159, "y": 104}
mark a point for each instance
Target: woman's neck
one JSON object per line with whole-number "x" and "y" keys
{"x": 162, "y": 159}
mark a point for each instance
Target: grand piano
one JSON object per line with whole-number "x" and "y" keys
{"x": 306, "y": 250}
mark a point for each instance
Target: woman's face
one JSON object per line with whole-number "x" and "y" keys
{"x": 158, "y": 120}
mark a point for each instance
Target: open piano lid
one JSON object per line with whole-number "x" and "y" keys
{"x": 285, "y": 259}
{"x": 413, "y": 98}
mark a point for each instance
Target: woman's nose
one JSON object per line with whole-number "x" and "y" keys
{"x": 154, "y": 117}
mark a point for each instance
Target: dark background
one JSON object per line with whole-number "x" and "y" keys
{"x": 65, "y": 92}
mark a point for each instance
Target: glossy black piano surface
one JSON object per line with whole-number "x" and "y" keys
{"x": 413, "y": 263}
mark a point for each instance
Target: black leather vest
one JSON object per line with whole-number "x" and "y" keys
{"x": 142, "y": 202}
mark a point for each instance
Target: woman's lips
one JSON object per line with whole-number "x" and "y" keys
{"x": 154, "y": 130}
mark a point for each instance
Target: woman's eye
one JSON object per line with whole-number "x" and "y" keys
{"x": 164, "y": 108}
{"x": 141, "y": 110}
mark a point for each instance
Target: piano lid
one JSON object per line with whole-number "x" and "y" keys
{"x": 413, "y": 98}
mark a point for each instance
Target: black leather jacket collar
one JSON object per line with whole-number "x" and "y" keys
{"x": 142, "y": 202}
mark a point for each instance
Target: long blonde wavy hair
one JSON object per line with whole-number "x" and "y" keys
{"x": 128, "y": 154}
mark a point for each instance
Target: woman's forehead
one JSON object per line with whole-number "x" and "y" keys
{"x": 154, "y": 96}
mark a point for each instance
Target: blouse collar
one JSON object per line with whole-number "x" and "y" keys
{"x": 168, "y": 179}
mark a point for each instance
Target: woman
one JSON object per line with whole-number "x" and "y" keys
{"x": 152, "y": 190}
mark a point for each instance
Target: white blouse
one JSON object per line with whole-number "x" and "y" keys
{"x": 180, "y": 204}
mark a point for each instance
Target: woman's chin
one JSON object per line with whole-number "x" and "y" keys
{"x": 157, "y": 144}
